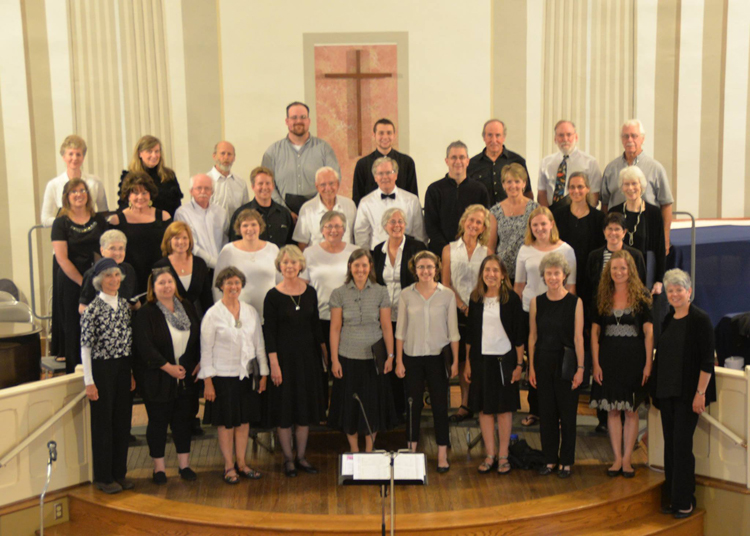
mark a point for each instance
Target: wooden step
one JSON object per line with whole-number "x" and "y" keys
{"x": 615, "y": 507}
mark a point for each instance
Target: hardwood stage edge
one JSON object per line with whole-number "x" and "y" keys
{"x": 568, "y": 503}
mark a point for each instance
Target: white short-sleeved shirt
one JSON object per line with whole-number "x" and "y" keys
{"x": 307, "y": 230}
{"x": 52, "y": 202}
{"x": 259, "y": 269}
{"x": 577, "y": 161}
{"x": 326, "y": 272}
{"x": 230, "y": 192}
{"x": 527, "y": 270}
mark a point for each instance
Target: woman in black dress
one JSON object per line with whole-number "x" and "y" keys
{"x": 75, "y": 240}
{"x": 494, "y": 350}
{"x": 556, "y": 328}
{"x": 296, "y": 353}
{"x": 106, "y": 344}
{"x": 234, "y": 368}
{"x": 167, "y": 339}
{"x": 143, "y": 224}
{"x": 192, "y": 275}
{"x": 148, "y": 159}
{"x": 682, "y": 388}
{"x": 622, "y": 343}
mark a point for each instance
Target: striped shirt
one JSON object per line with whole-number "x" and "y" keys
{"x": 360, "y": 327}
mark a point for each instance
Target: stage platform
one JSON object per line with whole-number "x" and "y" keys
{"x": 459, "y": 502}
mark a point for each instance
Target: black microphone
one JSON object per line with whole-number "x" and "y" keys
{"x": 355, "y": 396}
{"x": 411, "y": 401}
{"x": 52, "y": 446}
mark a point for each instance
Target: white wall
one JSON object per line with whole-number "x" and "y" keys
{"x": 449, "y": 69}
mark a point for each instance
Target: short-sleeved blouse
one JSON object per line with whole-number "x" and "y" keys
{"x": 527, "y": 270}
{"x": 464, "y": 271}
{"x": 360, "y": 327}
{"x": 82, "y": 240}
{"x": 510, "y": 234}
{"x": 326, "y": 272}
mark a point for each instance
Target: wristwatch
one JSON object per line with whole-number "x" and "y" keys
{"x": 699, "y": 392}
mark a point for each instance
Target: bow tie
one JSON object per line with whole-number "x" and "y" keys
{"x": 388, "y": 196}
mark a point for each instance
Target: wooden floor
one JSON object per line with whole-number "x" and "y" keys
{"x": 461, "y": 488}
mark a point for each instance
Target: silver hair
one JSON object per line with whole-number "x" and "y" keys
{"x": 328, "y": 216}
{"x": 97, "y": 281}
{"x": 192, "y": 180}
{"x": 484, "y": 127}
{"x": 554, "y": 260}
{"x": 632, "y": 173}
{"x": 384, "y": 160}
{"x": 323, "y": 170}
{"x": 633, "y": 123}
{"x": 568, "y": 121}
{"x": 678, "y": 277}
{"x": 388, "y": 214}
{"x": 112, "y": 236}
{"x": 458, "y": 144}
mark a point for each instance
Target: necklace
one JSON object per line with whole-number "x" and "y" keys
{"x": 618, "y": 317}
{"x": 297, "y": 302}
{"x": 637, "y": 222}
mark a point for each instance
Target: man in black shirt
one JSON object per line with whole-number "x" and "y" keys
{"x": 487, "y": 165}
{"x": 278, "y": 219}
{"x": 364, "y": 183}
{"x": 447, "y": 199}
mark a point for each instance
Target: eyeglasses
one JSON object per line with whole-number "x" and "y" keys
{"x": 384, "y": 173}
{"x": 396, "y": 222}
{"x": 426, "y": 267}
{"x": 333, "y": 227}
{"x": 298, "y": 117}
{"x": 79, "y": 191}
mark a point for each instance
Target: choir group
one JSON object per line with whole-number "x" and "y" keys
{"x": 302, "y": 306}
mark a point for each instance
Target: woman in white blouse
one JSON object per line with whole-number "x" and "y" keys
{"x": 541, "y": 238}
{"x": 497, "y": 333}
{"x": 391, "y": 262}
{"x": 427, "y": 323}
{"x": 234, "y": 366}
{"x": 461, "y": 262}
{"x": 252, "y": 256}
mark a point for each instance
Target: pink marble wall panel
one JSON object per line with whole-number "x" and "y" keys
{"x": 336, "y": 100}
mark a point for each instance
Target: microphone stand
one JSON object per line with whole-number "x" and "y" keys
{"x": 52, "y": 446}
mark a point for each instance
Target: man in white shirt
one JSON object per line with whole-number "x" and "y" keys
{"x": 230, "y": 191}
{"x": 327, "y": 182}
{"x": 207, "y": 220}
{"x": 555, "y": 169}
{"x": 368, "y": 227}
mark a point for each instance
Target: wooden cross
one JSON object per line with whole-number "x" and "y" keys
{"x": 358, "y": 76}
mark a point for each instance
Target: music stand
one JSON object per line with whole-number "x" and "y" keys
{"x": 384, "y": 469}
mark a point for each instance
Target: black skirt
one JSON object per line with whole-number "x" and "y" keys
{"x": 374, "y": 390}
{"x": 236, "y": 403}
{"x": 491, "y": 390}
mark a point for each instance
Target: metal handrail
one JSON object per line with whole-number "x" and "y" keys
{"x": 726, "y": 431}
{"x": 692, "y": 247}
{"x": 12, "y": 453}
{"x": 31, "y": 274}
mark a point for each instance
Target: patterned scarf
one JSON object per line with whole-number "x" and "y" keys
{"x": 179, "y": 319}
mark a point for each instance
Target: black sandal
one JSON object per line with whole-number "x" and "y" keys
{"x": 461, "y": 417}
{"x": 485, "y": 467}
{"x": 505, "y": 465}
{"x": 231, "y": 479}
{"x": 248, "y": 473}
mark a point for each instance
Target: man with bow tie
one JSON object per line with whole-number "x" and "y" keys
{"x": 368, "y": 227}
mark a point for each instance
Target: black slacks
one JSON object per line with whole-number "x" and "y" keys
{"x": 430, "y": 369}
{"x": 70, "y": 293}
{"x": 176, "y": 414}
{"x": 678, "y": 422}
{"x": 558, "y": 408}
{"x": 110, "y": 418}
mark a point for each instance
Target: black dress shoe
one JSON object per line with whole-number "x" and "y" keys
{"x": 160, "y": 477}
{"x": 545, "y": 470}
{"x": 306, "y": 467}
{"x": 125, "y": 483}
{"x": 187, "y": 474}
{"x": 628, "y": 474}
{"x": 290, "y": 470}
{"x": 668, "y": 510}
{"x": 601, "y": 429}
{"x": 443, "y": 470}
{"x": 564, "y": 473}
{"x": 614, "y": 472}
